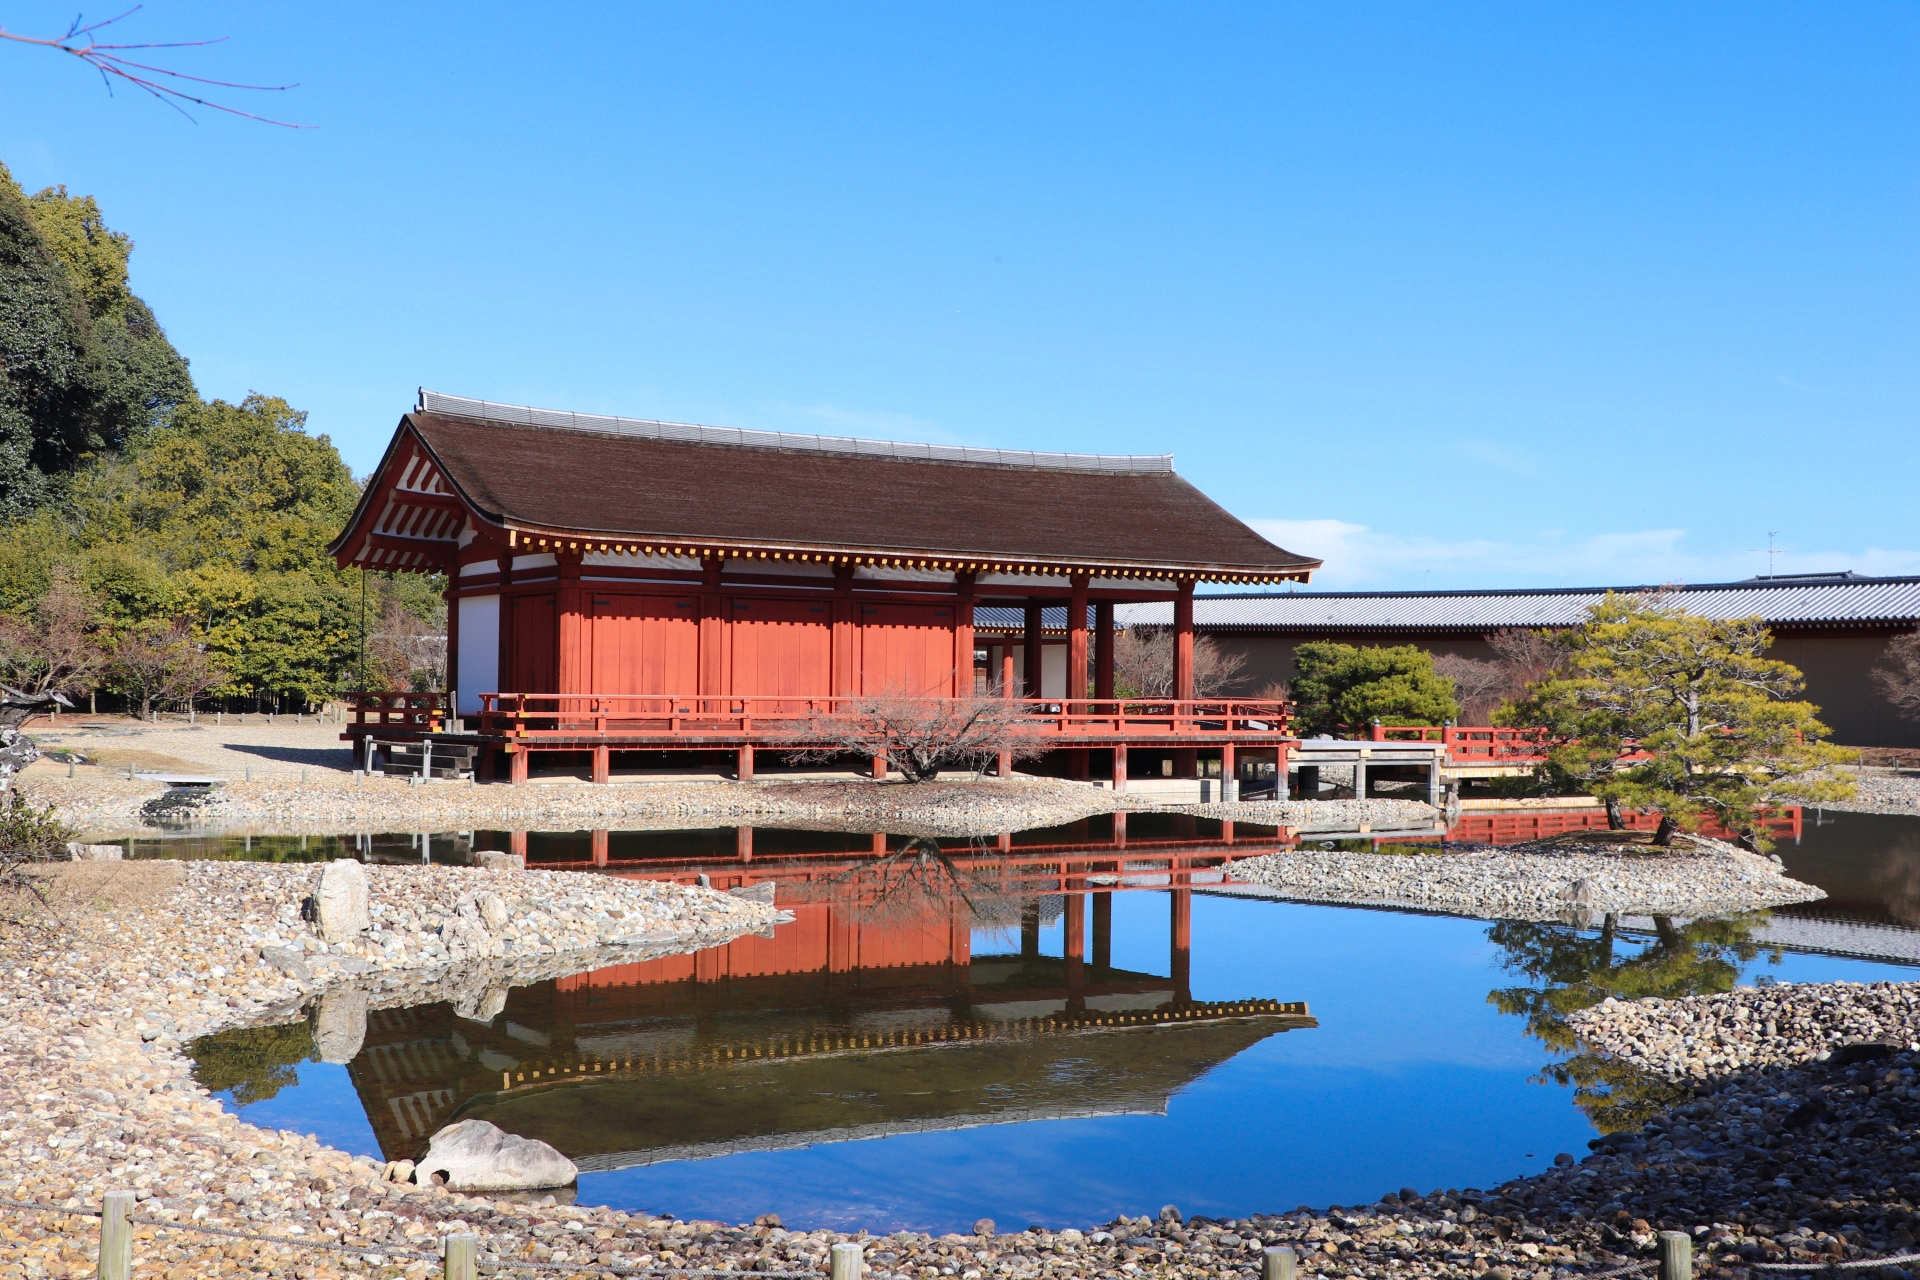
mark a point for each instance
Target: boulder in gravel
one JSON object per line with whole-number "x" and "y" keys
{"x": 95, "y": 852}
{"x": 288, "y": 961}
{"x": 340, "y": 1025}
{"x": 477, "y": 1156}
{"x": 495, "y": 860}
{"x": 762, "y": 892}
{"x": 493, "y": 910}
{"x": 341, "y": 902}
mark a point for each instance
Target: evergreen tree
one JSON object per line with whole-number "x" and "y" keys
{"x": 1721, "y": 730}
{"x": 1341, "y": 686}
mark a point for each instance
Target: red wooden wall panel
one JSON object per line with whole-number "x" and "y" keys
{"x": 781, "y": 647}
{"x": 535, "y": 641}
{"x": 906, "y": 649}
{"x": 645, "y": 644}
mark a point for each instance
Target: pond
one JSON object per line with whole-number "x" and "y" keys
{"x": 940, "y": 1035}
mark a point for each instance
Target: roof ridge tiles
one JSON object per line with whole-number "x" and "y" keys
{"x": 451, "y": 406}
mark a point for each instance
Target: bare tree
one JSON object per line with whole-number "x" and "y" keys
{"x": 916, "y": 881}
{"x": 1529, "y": 657}
{"x": 57, "y": 649}
{"x": 406, "y": 652}
{"x": 1478, "y": 686}
{"x": 1897, "y": 675}
{"x": 1143, "y": 664}
{"x": 112, "y": 62}
{"x": 921, "y": 736}
{"x": 158, "y": 664}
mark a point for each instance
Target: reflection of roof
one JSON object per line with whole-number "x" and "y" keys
{"x": 1824, "y": 599}
{"x": 1016, "y": 1073}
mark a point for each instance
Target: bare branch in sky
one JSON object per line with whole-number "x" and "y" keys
{"x": 112, "y": 62}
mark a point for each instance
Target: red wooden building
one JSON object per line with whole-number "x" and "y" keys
{"x": 620, "y": 585}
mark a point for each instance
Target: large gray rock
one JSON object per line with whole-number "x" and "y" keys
{"x": 95, "y": 852}
{"x": 493, "y": 910}
{"x": 466, "y": 936}
{"x": 288, "y": 961}
{"x": 341, "y": 903}
{"x": 762, "y": 892}
{"x": 476, "y": 1156}
{"x": 340, "y": 1025}
{"x": 495, "y": 860}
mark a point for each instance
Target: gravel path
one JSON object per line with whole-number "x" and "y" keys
{"x": 1545, "y": 880}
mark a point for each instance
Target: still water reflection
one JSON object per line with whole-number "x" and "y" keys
{"x": 1049, "y": 1028}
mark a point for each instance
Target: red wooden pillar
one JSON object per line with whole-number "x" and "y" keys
{"x": 1076, "y": 949}
{"x": 1102, "y": 932}
{"x": 1077, "y": 638}
{"x": 1228, "y": 762}
{"x": 743, "y": 843}
{"x": 602, "y": 763}
{"x": 1008, "y": 689}
{"x": 1183, "y": 642}
{"x": 599, "y": 848}
{"x": 1103, "y": 649}
{"x": 505, "y": 668}
{"x": 517, "y": 770}
{"x": 1031, "y": 676}
{"x": 1182, "y": 958}
{"x": 744, "y": 770}
{"x": 713, "y": 630}
{"x": 573, "y": 675}
{"x": 1183, "y": 758}
{"x": 963, "y": 635}
{"x": 846, "y": 665}
{"x": 879, "y": 771}
{"x": 517, "y": 845}
{"x": 453, "y": 641}
{"x": 1120, "y": 768}
{"x": 1119, "y": 831}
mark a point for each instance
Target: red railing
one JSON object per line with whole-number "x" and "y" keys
{"x": 1478, "y": 744}
{"x": 1484, "y": 744}
{"x": 428, "y": 711}
{"x": 532, "y": 716}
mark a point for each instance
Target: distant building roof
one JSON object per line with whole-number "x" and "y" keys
{"x": 1804, "y": 600}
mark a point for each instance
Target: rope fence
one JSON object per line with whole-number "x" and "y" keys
{"x": 459, "y": 1256}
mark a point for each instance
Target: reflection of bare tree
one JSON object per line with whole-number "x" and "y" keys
{"x": 918, "y": 880}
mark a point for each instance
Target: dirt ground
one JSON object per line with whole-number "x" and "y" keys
{"x": 109, "y": 744}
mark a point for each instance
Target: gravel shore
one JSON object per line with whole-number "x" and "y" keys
{"x": 1558, "y": 879}
{"x": 332, "y": 804}
{"x": 1880, "y": 790}
{"x": 95, "y": 1093}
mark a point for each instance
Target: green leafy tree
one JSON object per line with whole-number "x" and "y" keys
{"x": 1342, "y": 686}
{"x": 84, "y": 366}
{"x": 1715, "y": 717}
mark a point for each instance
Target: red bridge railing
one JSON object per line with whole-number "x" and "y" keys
{"x": 532, "y": 716}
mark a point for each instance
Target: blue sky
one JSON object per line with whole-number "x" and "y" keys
{"x": 1450, "y": 295}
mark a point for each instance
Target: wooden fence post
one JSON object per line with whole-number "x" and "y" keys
{"x": 1276, "y": 1264}
{"x": 116, "y": 1236}
{"x": 463, "y": 1256}
{"x": 846, "y": 1263}
{"x": 1676, "y": 1255}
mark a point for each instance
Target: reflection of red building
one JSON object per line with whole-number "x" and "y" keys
{"x": 861, "y": 1018}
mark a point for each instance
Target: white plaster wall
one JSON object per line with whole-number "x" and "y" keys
{"x": 1053, "y": 671}
{"x": 479, "y": 651}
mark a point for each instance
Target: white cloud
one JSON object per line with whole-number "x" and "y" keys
{"x": 1360, "y": 557}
